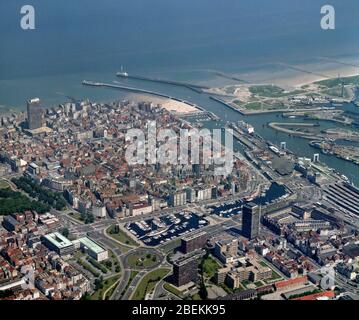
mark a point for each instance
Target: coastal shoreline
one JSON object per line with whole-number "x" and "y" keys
{"x": 284, "y": 77}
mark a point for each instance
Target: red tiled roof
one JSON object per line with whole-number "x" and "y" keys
{"x": 290, "y": 282}
{"x": 315, "y": 296}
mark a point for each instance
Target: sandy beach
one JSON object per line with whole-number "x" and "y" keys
{"x": 294, "y": 76}
{"x": 170, "y": 105}
{"x": 305, "y": 79}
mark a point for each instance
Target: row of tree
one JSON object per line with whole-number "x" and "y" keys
{"x": 35, "y": 190}
{"x": 14, "y": 202}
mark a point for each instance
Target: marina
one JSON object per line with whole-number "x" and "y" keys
{"x": 179, "y": 151}
{"x": 153, "y": 232}
{"x": 228, "y": 209}
{"x": 274, "y": 192}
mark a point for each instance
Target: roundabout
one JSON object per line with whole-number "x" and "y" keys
{"x": 143, "y": 259}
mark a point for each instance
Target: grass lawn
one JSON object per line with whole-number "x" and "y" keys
{"x": 238, "y": 103}
{"x": 111, "y": 290}
{"x": 272, "y": 91}
{"x": 336, "y": 92}
{"x": 173, "y": 290}
{"x": 196, "y": 297}
{"x": 98, "y": 295}
{"x": 275, "y": 275}
{"x": 263, "y": 264}
{"x": 267, "y": 91}
{"x": 245, "y": 283}
{"x": 148, "y": 283}
{"x": 76, "y": 215}
{"x": 78, "y": 254}
{"x": 142, "y": 260}
{"x": 115, "y": 264}
{"x": 4, "y": 184}
{"x": 121, "y": 236}
{"x": 253, "y": 106}
{"x": 133, "y": 274}
{"x": 210, "y": 266}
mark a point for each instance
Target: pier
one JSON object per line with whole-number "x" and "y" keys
{"x": 229, "y": 77}
{"x": 227, "y": 104}
{"x": 281, "y": 127}
{"x": 195, "y": 87}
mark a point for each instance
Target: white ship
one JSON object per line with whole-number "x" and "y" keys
{"x": 157, "y": 233}
{"x": 247, "y": 128}
{"x": 188, "y": 216}
{"x": 158, "y": 223}
{"x": 122, "y": 73}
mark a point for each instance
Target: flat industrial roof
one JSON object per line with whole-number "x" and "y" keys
{"x": 58, "y": 240}
{"x": 194, "y": 236}
{"x": 93, "y": 246}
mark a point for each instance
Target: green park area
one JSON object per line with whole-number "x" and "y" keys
{"x": 76, "y": 215}
{"x": 133, "y": 274}
{"x": 42, "y": 194}
{"x": 4, "y": 184}
{"x": 16, "y": 202}
{"x": 258, "y": 106}
{"x": 196, "y": 297}
{"x": 104, "y": 287}
{"x": 149, "y": 282}
{"x": 253, "y": 106}
{"x": 116, "y": 233}
{"x": 272, "y": 91}
{"x": 170, "y": 288}
{"x": 210, "y": 266}
{"x": 142, "y": 260}
{"x": 266, "y": 91}
{"x": 335, "y": 82}
{"x": 336, "y": 92}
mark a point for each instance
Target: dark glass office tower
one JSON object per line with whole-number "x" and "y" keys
{"x": 34, "y": 114}
{"x": 251, "y": 220}
{"x": 185, "y": 269}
